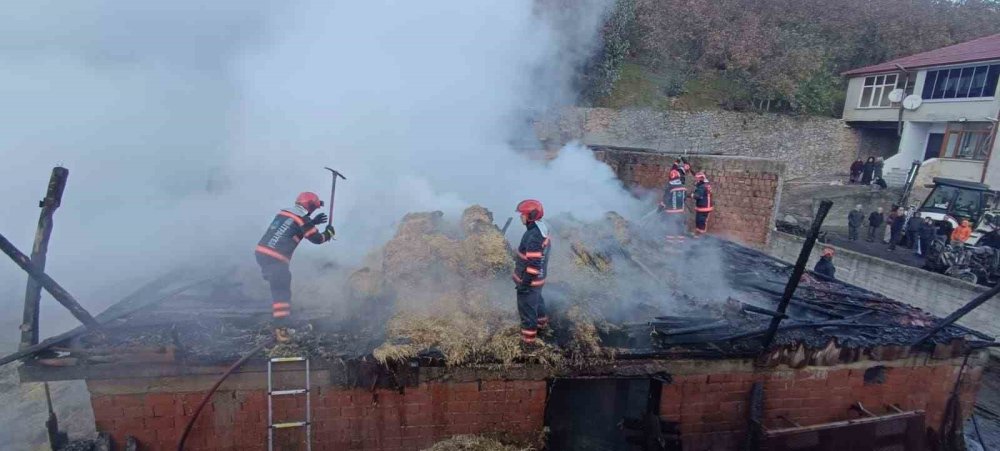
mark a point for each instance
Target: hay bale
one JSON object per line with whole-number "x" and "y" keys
{"x": 364, "y": 283}
{"x": 474, "y": 443}
{"x": 477, "y": 219}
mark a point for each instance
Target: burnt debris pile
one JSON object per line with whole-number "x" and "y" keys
{"x": 440, "y": 292}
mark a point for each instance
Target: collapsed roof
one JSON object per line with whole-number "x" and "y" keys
{"x": 439, "y": 293}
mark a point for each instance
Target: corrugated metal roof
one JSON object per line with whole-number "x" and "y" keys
{"x": 982, "y": 49}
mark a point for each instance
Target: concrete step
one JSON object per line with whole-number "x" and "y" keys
{"x": 895, "y": 177}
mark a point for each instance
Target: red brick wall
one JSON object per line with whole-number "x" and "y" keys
{"x": 746, "y": 190}
{"x": 344, "y": 419}
{"x": 712, "y": 409}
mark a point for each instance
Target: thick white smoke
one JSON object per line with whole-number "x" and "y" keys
{"x": 186, "y": 125}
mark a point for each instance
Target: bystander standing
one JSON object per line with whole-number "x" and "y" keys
{"x": 875, "y": 220}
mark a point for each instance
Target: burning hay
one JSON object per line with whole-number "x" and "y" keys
{"x": 454, "y": 297}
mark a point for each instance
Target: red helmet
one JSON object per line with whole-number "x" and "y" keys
{"x": 531, "y": 208}
{"x": 699, "y": 175}
{"x": 309, "y": 201}
{"x": 828, "y": 252}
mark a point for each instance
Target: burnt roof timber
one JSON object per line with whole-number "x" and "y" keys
{"x": 149, "y": 294}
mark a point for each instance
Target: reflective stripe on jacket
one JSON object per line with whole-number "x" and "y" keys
{"x": 703, "y": 197}
{"x": 532, "y": 263}
{"x": 285, "y": 232}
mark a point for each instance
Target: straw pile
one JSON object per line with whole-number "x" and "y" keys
{"x": 474, "y": 443}
{"x": 454, "y": 298}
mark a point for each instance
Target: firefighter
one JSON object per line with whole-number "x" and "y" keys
{"x": 672, "y": 205}
{"x": 531, "y": 270}
{"x": 274, "y": 252}
{"x": 703, "y": 203}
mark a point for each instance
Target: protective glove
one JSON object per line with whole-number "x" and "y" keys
{"x": 661, "y": 207}
{"x": 329, "y": 232}
{"x": 319, "y": 219}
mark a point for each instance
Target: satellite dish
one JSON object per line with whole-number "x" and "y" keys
{"x": 896, "y": 95}
{"x": 912, "y": 102}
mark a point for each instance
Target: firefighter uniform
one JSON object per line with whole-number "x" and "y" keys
{"x": 703, "y": 204}
{"x": 673, "y": 206}
{"x": 274, "y": 252}
{"x": 529, "y": 276}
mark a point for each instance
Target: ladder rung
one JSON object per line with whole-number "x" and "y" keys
{"x": 287, "y": 359}
{"x": 293, "y": 424}
{"x": 297, "y": 391}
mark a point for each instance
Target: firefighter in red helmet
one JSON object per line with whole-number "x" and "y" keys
{"x": 531, "y": 269}
{"x": 275, "y": 248}
{"x": 703, "y": 203}
{"x": 672, "y": 205}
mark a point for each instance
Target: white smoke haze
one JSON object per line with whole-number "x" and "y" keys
{"x": 146, "y": 102}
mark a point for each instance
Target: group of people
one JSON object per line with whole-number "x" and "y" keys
{"x": 868, "y": 172}
{"x": 292, "y": 225}
{"x": 675, "y": 194}
{"x": 904, "y": 228}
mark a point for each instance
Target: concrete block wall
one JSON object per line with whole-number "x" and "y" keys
{"x": 344, "y": 419}
{"x": 746, "y": 190}
{"x": 712, "y": 408}
{"x": 932, "y": 292}
{"x": 806, "y": 145}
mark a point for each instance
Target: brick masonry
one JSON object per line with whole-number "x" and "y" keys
{"x": 344, "y": 419}
{"x": 746, "y": 190}
{"x": 807, "y": 145}
{"x": 712, "y": 408}
{"x": 708, "y": 398}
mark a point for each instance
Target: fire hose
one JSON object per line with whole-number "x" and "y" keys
{"x": 211, "y": 391}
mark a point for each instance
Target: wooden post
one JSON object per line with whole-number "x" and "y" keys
{"x": 800, "y": 267}
{"x": 56, "y": 290}
{"x": 33, "y": 292}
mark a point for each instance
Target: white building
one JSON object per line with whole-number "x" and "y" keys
{"x": 948, "y": 117}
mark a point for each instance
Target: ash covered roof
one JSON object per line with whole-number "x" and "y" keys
{"x": 212, "y": 323}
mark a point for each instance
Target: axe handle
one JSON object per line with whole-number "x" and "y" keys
{"x": 333, "y": 190}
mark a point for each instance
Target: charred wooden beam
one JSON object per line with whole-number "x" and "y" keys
{"x": 958, "y": 314}
{"x": 800, "y": 266}
{"x": 57, "y": 439}
{"x": 50, "y": 285}
{"x": 33, "y": 292}
{"x": 120, "y": 309}
{"x": 755, "y": 418}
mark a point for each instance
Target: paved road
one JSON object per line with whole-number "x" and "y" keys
{"x": 838, "y": 237}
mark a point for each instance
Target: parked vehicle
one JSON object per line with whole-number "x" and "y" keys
{"x": 973, "y": 264}
{"x": 951, "y": 200}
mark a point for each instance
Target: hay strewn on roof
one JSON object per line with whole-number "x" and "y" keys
{"x": 474, "y": 443}
{"x": 454, "y": 298}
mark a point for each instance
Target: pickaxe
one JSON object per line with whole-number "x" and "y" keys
{"x": 333, "y": 190}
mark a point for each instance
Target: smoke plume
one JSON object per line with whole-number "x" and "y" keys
{"x": 186, "y": 126}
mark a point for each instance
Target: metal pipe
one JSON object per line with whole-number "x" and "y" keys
{"x": 800, "y": 267}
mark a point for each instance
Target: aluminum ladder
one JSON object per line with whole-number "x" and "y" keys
{"x": 271, "y": 393}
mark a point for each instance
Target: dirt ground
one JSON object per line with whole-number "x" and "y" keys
{"x": 22, "y": 418}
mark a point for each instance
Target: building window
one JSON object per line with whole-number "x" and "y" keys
{"x": 962, "y": 82}
{"x": 968, "y": 141}
{"x": 875, "y": 93}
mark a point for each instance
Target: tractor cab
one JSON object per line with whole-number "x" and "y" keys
{"x": 953, "y": 200}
